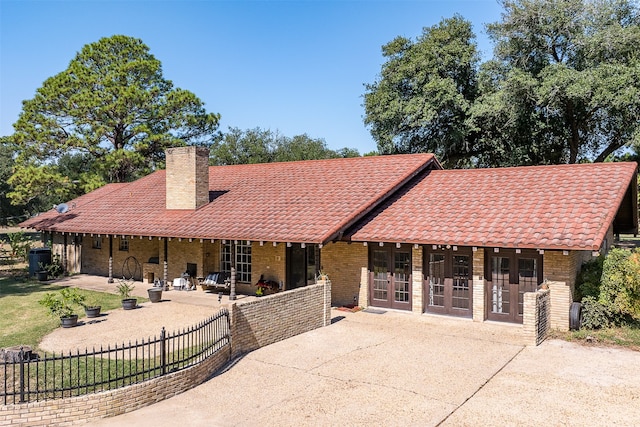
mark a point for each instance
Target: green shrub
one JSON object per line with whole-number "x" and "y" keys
{"x": 55, "y": 268}
{"x": 61, "y": 304}
{"x": 595, "y": 315}
{"x": 589, "y": 279}
{"x": 20, "y": 244}
{"x": 620, "y": 288}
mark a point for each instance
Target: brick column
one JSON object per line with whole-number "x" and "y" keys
{"x": 417, "y": 279}
{"x": 561, "y": 299}
{"x": 478, "y": 286}
{"x": 363, "y": 293}
{"x": 529, "y": 321}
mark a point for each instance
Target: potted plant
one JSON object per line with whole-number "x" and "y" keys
{"x": 155, "y": 294}
{"x": 264, "y": 285}
{"x": 62, "y": 304}
{"x": 124, "y": 289}
{"x": 42, "y": 272}
{"x": 91, "y": 307}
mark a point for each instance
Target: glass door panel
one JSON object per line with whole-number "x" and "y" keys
{"x": 402, "y": 277}
{"x": 380, "y": 275}
{"x": 390, "y": 277}
{"x": 527, "y": 280}
{"x": 447, "y": 285}
{"x": 436, "y": 280}
{"x": 513, "y": 273}
{"x": 461, "y": 294}
{"x": 500, "y": 285}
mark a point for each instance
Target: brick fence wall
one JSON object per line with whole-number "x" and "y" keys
{"x": 254, "y": 324}
{"x": 276, "y": 317}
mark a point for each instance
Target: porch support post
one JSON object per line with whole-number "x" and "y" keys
{"x": 64, "y": 254}
{"x": 110, "y": 280}
{"x": 232, "y": 291}
{"x": 165, "y": 268}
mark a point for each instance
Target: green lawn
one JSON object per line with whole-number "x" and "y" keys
{"x": 25, "y": 322}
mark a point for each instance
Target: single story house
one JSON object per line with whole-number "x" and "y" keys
{"x": 397, "y": 231}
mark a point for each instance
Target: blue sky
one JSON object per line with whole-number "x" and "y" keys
{"x": 292, "y": 66}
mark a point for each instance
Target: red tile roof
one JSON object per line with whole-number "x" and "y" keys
{"x": 541, "y": 207}
{"x": 306, "y": 201}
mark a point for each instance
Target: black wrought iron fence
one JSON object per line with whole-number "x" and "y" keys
{"x": 51, "y": 376}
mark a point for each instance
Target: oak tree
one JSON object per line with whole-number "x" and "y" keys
{"x": 563, "y": 87}
{"x": 422, "y": 99}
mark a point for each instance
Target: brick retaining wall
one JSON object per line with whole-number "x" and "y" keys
{"x": 276, "y": 317}
{"x": 75, "y": 410}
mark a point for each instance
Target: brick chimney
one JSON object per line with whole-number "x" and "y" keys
{"x": 187, "y": 181}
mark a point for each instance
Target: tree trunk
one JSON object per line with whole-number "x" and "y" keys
{"x": 574, "y": 139}
{"x": 609, "y": 150}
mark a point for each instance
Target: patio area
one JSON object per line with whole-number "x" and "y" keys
{"x": 177, "y": 310}
{"x": 194, "y": 297}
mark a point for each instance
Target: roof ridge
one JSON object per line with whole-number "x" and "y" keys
{"x": 558, "y": 166}
{"x": 333, "y": 159}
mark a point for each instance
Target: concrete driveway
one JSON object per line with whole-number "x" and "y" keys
{"x": 401, "y": 369}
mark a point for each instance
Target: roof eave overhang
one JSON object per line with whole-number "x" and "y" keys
{"x": 486, "y": 244}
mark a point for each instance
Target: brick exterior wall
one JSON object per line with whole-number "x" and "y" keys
{"x": 95, "y": 261}
{"x": 268, "y": 261}
{"x": 187, "y": 180}
{"x": 343, "y": 263}
{"x": 183, "y": 252}
{"x": 363, "y": 295}
{"x": 561, "y": 271}
{"x": 254, "y": 324}
{"x": 346, "y": 264}
{"x": 212, "y": 256}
